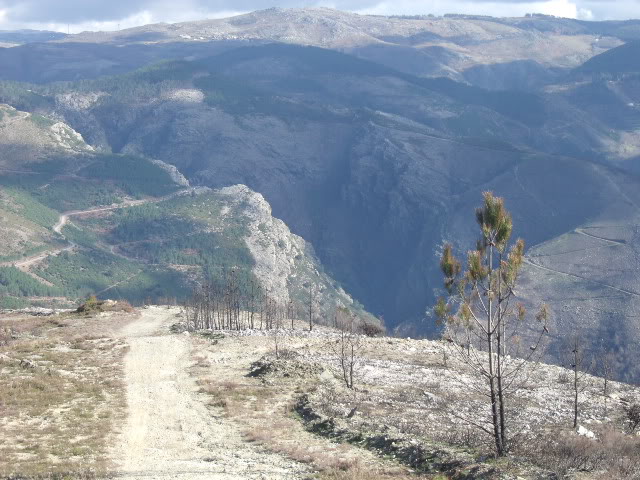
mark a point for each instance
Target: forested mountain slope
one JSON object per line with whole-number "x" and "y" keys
{"x": 77, "y": 222}
{"x": 377, "y": 167}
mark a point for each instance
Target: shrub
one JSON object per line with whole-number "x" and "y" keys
{"x": 633, "y": 416}
{"x": 372, "y": 329}
{"x": 94, "y": 305}
{"x": 612, "y": 454}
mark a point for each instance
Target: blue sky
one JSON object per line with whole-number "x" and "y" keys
{"x": 102, "y": 15}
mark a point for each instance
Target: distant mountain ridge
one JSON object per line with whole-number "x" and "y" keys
{"x": 21, "y": 37}
{"x": 619, "y": 60}
{"x": 495, "y": 53}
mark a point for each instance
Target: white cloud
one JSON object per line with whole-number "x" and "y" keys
{"x": 585, "y": 14}
{"x": 559, "y": 8}
{"x": 144, "y": 17}
{"x": 612, "y": 9}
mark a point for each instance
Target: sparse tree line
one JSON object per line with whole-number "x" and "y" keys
{"x": 236, "y": 300}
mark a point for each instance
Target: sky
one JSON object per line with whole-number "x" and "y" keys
{"x": 80, "y": 15}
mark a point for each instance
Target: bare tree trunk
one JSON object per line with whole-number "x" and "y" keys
{"x": 575, "y": 385}
{"x": 310, "y": 306}
{"x": 495, "y": 413}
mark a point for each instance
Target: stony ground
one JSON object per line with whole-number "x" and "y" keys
{"x": 132, "y": 395}
{"x": 413, "y": 405}
{"x": 170, "y": 431}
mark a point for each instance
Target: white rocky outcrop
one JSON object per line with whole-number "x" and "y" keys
{"x": 67, "y": 138}
{"x": 78, "y": 101}
{"x": 284, "y": 262}
{"x": 272, "y": 245}
{"x": 173, "y": 172}
{"x": 186, "y": 95}
{"x": 583, "y": 432}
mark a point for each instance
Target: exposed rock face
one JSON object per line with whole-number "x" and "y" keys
{"x": 78, "y": 101}
{"x": 285, "y": 264}
{"x": 185, "y": 95}
{"x": 27, "y": 138}
{"x": 67, "y": 138}
{"x": 173, "y": 172}
{"x": 272, "y": 245}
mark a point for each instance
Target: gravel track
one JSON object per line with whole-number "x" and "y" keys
{"x": 169, "y": 431}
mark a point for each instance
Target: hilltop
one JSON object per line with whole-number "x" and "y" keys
{"x": 495, "y": 53}
{"x": 150, "y": 397}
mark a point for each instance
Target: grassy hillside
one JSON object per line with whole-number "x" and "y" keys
{"x": 67, "y": 177}
{"x": 94, "y": 180}
{"x": 154, "y": 250}
{"x": 130, "y": 232}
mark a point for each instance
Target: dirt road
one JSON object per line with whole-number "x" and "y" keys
{"x": 26, "y": 263}
{"x": 170, "y": 432}
{"x": 607, "y": 243}
{"x": 64, "y": 217}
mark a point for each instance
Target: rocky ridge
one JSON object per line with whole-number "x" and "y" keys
{"x": 469, "y": 40}
{"x": 27, "y": 137}
{"x": 285, "y": 264}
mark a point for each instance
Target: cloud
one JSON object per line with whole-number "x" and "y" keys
{"x": 81, "y": 15}
{"x": 612, "y": 9}
{"x": 109, "y": 15}
{"x": 503, "y": 8}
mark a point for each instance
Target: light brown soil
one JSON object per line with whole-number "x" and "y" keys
{"x": 170, "y": 432}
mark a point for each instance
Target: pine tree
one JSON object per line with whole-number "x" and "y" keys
{"x": 480, "y": 313}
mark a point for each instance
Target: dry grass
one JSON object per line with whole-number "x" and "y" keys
{"x": 612, "y": 454}
{"x": 358, "y": 473}
{"x": 340, "y": 461}
{"x": 275, "y": 438}
{"x": 61, "y": 393}
{"x": 265, "y": 414}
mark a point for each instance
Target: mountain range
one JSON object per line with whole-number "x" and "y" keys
{"x": 371, "y": 137}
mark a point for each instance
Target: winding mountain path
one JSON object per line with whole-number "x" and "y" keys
{"x": 169, "y": 431}
{"x": 609, "y": 243}
{"x": 26, "y": 263}
{"x": 581, "y": 231}
{"x": 64, "y": 217}
{"x": 585, "y": 279}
